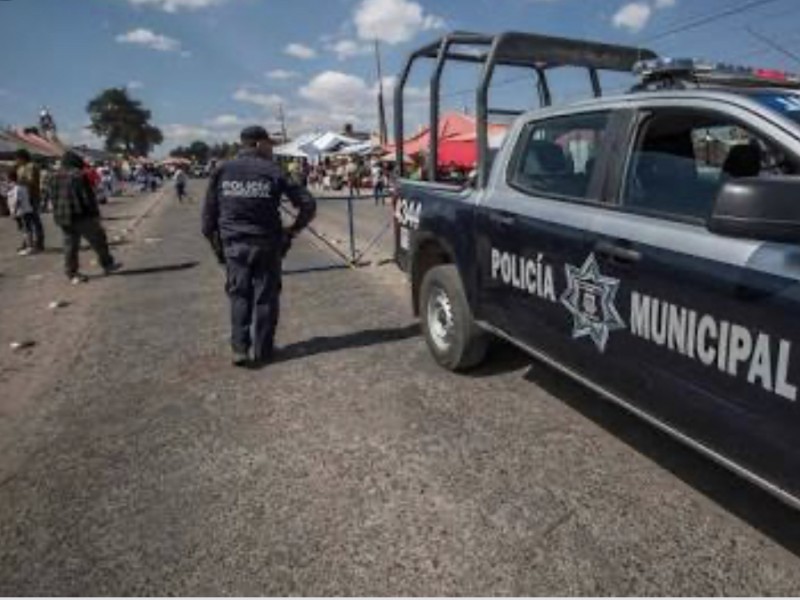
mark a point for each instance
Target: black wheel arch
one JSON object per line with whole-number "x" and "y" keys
{"x": 428, "y": 251}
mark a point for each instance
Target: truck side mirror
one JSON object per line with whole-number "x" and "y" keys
{"x": 763, "y": 208}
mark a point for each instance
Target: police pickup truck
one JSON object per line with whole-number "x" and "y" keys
{"x": 647, "y": 244}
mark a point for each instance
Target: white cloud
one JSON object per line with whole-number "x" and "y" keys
{"x": 335, "y": 98}
{"x": 345, "y": 49}
{"x": 135, "y": 85}
{"x": 633, "y": 16}
{"x": 393, "y": 21}
{"x": 300, "y": 51}
{"x": 337, "y": 90}
{"x": 172, "y": 6}
{"x": 227, "y": 120}
{"x": 282, "y": 74}
{"x": 265, "y": 101}
{"x": 149, "y": 39}
{"x": 178, "y": 133}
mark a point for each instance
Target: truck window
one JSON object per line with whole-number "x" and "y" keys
{"x": 682, "y": 158}
{"x": 556, "y": 157}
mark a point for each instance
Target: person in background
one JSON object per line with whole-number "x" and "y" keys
{"x": 76, "y": 212}
{"x": 94, "y": 179}
{"x": 378, "y": 183}
{"x": 180, "y": 183}
{"x": 107, "y": 180}
{"x": 20, "y": 207}
{"x": 294, "y": 171}
{"x": 44, "y": 186}
{"x": 353, "y": 174}
{"x": 29, "y": 175}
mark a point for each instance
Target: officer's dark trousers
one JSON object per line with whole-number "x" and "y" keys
{"x": 254, "y": 287}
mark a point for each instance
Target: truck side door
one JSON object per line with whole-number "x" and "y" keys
{"x": 711, "y": 322}
{"x": 532, "y": 244}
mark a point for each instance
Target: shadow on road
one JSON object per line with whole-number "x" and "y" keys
{"x": 184, "y": 266}
{"x": 359, "y": 339}
{"x": 120, "y": 218}
{"x": 746, "y": 501}
{"x": 307, "y": 270}
{"x": 502, "y": 358}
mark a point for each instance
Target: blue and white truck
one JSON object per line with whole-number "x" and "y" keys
{"x": 645, "y": 244}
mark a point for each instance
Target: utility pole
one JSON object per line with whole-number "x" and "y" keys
{"x": 282, "y": 119}
{"x": 382, "y": 128}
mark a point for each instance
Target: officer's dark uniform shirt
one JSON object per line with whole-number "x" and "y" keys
{"x": 243, "y": 202}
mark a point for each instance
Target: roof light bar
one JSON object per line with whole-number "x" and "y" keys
{"x": 717, "y": 72}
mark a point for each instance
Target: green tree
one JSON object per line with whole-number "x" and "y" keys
{"x": 123, "y": 122}
{"x": 199, "y": 151}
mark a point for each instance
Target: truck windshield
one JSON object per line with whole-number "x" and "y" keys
{"x": 785, "y": 103}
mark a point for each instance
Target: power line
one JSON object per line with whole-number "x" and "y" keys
{"x": 773, "y": 44}
{"x": 705, "y": 20}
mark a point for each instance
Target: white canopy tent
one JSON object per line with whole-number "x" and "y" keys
{"x": 329, "y": 143}
{"x": 296, "y": 148}
{"x": 311, "y": 146}
{"x": 359, "y": 149}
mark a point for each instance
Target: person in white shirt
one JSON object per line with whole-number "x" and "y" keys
{"x": 378, "y": 183}
{"x": 20, "y": 207}
{"x": 180, "y": 183}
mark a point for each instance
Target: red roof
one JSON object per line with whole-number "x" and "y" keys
{"x": 38, "y": 143}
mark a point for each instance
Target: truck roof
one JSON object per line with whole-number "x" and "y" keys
{"x": 740, "y": 96}
{"x": 514, "y": 48}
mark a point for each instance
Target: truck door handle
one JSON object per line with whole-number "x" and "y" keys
{"x": 500, "y": 219}
{"x": 618, "y": 252}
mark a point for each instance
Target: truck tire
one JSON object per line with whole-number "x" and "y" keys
{"x": 453, "y": 338}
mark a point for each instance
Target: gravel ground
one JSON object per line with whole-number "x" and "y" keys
{"x": 135, "y": 460}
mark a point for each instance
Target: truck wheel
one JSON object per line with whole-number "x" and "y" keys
{"x": 453, "y": 338}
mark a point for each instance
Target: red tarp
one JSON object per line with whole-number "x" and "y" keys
{"x": 457, "y": 140}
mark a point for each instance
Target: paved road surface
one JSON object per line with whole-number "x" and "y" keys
{"x": 140, "y": 462}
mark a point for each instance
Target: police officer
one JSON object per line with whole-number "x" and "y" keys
{"x": 241, "y": 219}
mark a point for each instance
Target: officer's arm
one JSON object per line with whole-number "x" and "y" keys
{"x": 210, "y": 223}
{"x": 211, "y": 207}
{"x": 304, "y": 202}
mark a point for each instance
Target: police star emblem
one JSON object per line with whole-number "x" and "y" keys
{"x": 590, "y": 298}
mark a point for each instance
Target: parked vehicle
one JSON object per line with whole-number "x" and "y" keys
{"x": 646, "y": 245}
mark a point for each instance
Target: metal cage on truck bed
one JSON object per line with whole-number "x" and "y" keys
{"x": 536, "y": 52}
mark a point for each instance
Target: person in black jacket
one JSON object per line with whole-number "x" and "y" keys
{"x": 242, "y": 220}
{"x": 75, "y": 210}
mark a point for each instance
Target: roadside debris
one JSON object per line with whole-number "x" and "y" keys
{"x": 17, "y": 346}
{"x": 56, "y": 304}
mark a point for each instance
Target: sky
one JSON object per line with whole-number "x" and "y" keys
{"x": 206, "y": 68}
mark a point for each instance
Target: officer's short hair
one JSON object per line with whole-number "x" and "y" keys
{"x": 250, "y": 136}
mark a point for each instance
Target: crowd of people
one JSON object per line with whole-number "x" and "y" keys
{"x": 72, "y": 190}
{"x": 351, "y": 173}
